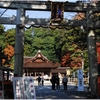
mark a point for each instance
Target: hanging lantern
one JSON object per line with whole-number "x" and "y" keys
{"x": 57, "y": 11}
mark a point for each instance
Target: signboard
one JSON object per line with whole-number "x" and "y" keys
{"x": 80, "y": 80}
{"x": 24, "y": 88}
{"x": 1, "y": 86}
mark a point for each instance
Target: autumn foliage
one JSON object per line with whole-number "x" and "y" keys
{"x": 65, "y": 60}
{"x": 9, "y": 51}
{"x": 98, "y": 51}
{"x": 76, "y": 62}
{"x": 72, "y": 62}
{"x": 79, "y": 16}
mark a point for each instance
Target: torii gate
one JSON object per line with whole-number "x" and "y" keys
{"x": 20, "y": 21}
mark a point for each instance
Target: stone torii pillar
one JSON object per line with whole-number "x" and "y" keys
{"x": 19, "y": 43}
{"x": 92, "y": 54}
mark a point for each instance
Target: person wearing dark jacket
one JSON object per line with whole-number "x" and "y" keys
{"x": 53, "y": 81}
{"x": 57, "y": 82}
{"x": 42, "y": 80}
{"x": 39, "y": 80}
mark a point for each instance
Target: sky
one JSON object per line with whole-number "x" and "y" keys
{"x": 34, "y": 14}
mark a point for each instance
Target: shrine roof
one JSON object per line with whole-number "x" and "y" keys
{"x": 39, "y": 61}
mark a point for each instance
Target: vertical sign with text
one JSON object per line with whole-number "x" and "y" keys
{"x": 24, "y": 88}
{"x": 80, "y": 80}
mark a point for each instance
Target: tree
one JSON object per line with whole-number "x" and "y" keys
{"x": 2, "y": 37}
{"x": 1, "y": 29}
{"x": 7, "y": 41}
{"x": 10, "y": 37}
{"x": 43, "y": 40}
{"x": 9, "y": 51}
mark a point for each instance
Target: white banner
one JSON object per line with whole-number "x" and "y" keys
{"x": 24, "y": 88}
{"x": 80, "y": 80}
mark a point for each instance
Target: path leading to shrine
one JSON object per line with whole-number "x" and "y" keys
{"x": 45, "y": 92}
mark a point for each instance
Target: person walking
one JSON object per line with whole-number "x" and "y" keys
{"x": 42, "y": 80}
{"x": 39, "y": 80}
{"x": 53, "y": 81}
{"x": 65, "y": 81}
{"x": 57, "y": 82}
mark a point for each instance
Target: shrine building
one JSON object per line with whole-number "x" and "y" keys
{"x": 39, "y": 65}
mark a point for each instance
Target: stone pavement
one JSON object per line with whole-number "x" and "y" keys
{"x": 45, "y": 92}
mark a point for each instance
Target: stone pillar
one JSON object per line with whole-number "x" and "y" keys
{"x": 92, "y": 62}
{"x": 92, "y": 54}
{"x": 19, "y": 43}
